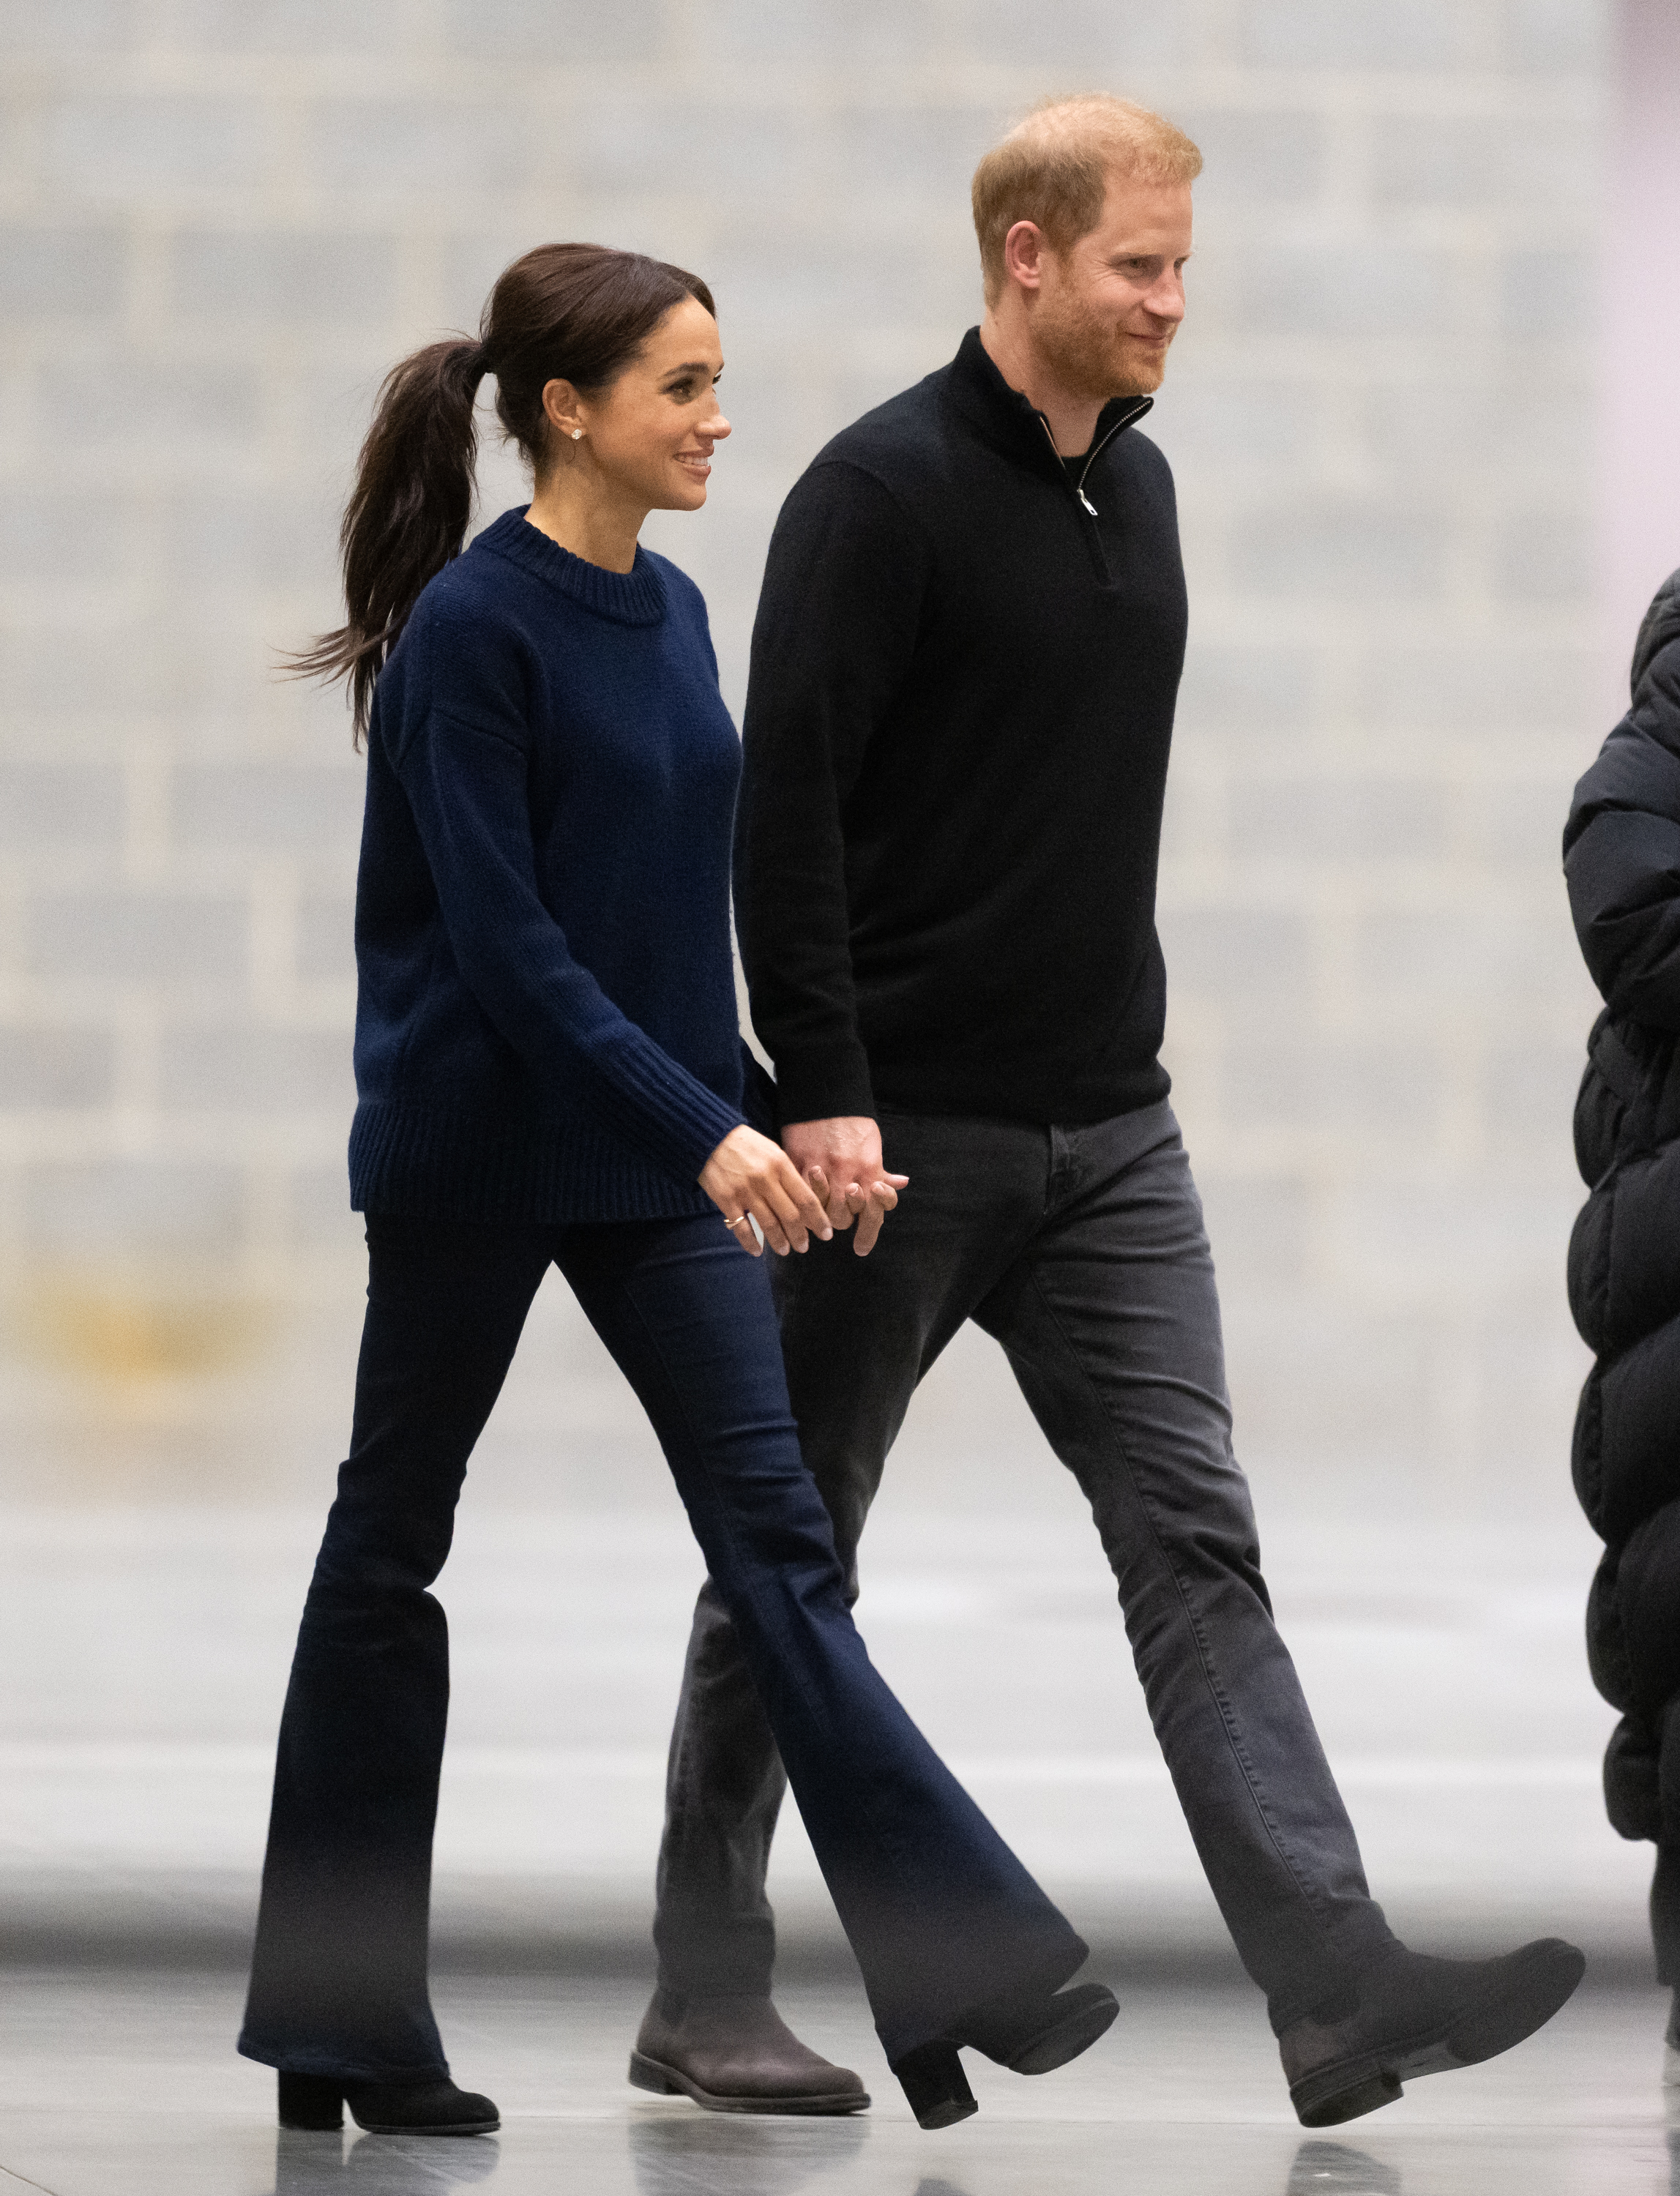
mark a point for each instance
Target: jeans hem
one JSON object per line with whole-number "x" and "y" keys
{"x": 1044, "y": 1976}
{"x": 326, "y": 2066}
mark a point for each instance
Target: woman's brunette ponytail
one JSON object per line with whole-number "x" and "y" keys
{"x": 565, "y": 312}
{"x": 407, "y": 514}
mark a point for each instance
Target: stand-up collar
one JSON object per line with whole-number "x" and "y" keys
{"x": 633, "y": 597}
{"x": 1006, "y": 419}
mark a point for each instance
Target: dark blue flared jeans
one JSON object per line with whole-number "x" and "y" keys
{"x": 941, "y": 1914}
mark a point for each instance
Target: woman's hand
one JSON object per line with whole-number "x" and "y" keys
{"x": 750, "y": 1178}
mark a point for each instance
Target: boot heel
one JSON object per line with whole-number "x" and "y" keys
{"x": 310, "y": 2100}
{"x": 932, "y": 2079}
{"x": 644, "y": 2074}
{"x": 1347, "y": 2097}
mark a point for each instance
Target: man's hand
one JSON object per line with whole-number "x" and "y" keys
{"x": 841, "y": 1160}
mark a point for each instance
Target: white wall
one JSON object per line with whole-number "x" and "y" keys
{"x": 1639, "y": 302}
{"x": 221, "y": 219}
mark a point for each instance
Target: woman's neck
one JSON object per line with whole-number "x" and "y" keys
{"x": 575, "y": 507}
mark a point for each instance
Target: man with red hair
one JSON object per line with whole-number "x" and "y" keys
{"x": 964, "y": 672}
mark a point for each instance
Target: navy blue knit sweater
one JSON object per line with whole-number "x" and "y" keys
{"x": 546, "y": 1026}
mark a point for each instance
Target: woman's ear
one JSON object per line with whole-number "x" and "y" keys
{"x": 562, "y": 410}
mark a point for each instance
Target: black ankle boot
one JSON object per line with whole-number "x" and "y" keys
{"x": 1407, "y": 2015}
{"x": 935, "y": 2085}
{"x": 1029, "y": 2035}
{"x": 314, "y": 2101}
{"x": 307, "y": 2101}
{"x": 1040, "y": 2034}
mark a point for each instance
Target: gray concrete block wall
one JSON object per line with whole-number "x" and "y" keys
{"x": 219, "y": 223}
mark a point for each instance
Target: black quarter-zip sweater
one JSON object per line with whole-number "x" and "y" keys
{"x": 964, "y": 670}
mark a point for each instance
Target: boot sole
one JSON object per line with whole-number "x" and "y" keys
{"x": 314, "y": 2105}
{"x": 1357, "y": 2086}
{"x": 412, "y": 2126}
{"x": 663, "y": 2081}
{"x": 1066, "y": 2040}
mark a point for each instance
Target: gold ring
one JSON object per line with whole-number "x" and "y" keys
{"x": 737, "y": 1221}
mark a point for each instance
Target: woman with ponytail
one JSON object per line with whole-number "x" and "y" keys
{"x": 550, "y": 1071}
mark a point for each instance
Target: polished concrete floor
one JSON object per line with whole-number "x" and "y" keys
{"x": 145, "y": 1653}
{"x": 145, "y": 1633}
{"x": 126, "y": 2084}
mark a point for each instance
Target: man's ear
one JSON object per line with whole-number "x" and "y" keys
{"x": 1023, "y": 250}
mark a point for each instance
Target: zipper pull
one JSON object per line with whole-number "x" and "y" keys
{"x": 1087, "y": 503}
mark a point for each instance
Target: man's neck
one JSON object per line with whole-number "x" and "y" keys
{"x": 1072, "y": 415}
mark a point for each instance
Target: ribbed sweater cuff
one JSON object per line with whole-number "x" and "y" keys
{"x": 824, "y": 1084}
{"x": 675, "y": 1118}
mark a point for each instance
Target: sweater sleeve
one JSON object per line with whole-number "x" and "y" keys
{"x": 464, "y": 776}
{"x": 836, "y": 626}
{"x": 1622, "y": 854}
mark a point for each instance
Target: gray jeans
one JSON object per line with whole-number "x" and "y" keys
{"x": 1082, "y": 1251}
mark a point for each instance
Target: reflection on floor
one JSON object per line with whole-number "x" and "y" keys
{"x": 126, "y": 2084}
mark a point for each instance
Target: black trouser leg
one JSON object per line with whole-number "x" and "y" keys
{"x": 1665, "y": 1915}
{"x": 338, "y": 1979}
{"x": 1110, "y": 1321}
{"x": 1082, "y": 1251}
{"x": 713, "y": 1928}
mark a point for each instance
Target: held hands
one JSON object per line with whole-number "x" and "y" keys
{"x": 841, "y": 1160}
{"x": 750, "y": 1178}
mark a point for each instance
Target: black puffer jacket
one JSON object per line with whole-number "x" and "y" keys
{"x": 1622, "y": 860}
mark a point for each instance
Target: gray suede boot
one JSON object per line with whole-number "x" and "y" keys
{"x": 735, "y": 2054}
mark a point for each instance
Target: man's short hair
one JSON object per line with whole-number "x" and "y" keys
{"x": 1053, "y": 169}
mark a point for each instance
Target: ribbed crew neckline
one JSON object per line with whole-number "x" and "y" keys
{"x": 633, "y": 597}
